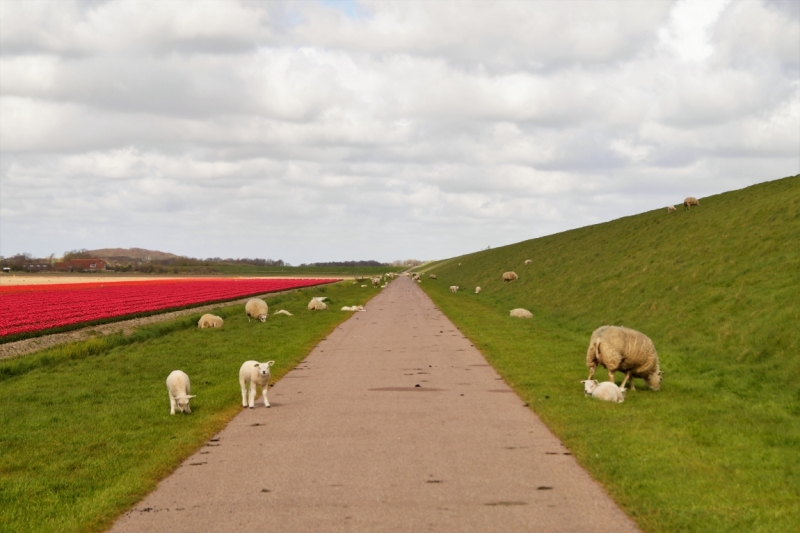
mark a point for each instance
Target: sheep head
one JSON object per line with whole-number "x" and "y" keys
{"x": 589, "y": 385}
{"x": 263, "y": 368}
{"x": 182, "y": 402}
{"x": 654, "y": 380}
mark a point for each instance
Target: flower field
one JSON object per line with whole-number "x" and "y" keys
{"x": 26, "y": 309}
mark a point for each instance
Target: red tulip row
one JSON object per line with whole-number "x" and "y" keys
{"x": 64, "y": 305}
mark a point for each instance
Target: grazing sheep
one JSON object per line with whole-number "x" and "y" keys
{"x": 454, "y": 288}
{"x": 210, "y": 321}
{"x": 432, "y": 276}
{"x": 256, "y": 308}
{"x": 477, "y": 290}
{"x": 691, "y": 201}
{"x": 606, "y": 390}
{"x": 459, "y": 264}
{"x": 316, "y": 305}
{"x": 283, "y": 312}
{"x": 521, "y": 313}
{"x": 256, "y": 374}
{"x": 178, "y": 387}
{"x": 670, "y": 209}
{"x": 528, "y": 261}
{"x": 509, "y": 276}
{"x": 625, "y": 350}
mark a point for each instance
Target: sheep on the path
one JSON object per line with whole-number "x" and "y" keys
{"x": 178, "y": 387}
{"x": 509, "y": 276}
{"x": 528, "y": 261}
{"x": 210, "y": 321}
{"x": 521, "y": 313}
{"x": 477, "y": 290}
{"x": 255, "y": 374}
{"x": 625, "y": 350}
{"x": 256, "y": 308}
{"x": 670, "y": 209}
{"x": 691, "y": 201}
{"x": 454, "y": 288}
{"x": 283, "y": 312}
{"x": 604, "y": 391}
{"x": 316, "y": 305}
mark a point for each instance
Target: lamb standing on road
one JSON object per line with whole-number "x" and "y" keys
{"x": 604, "y": 391}
{"x": 256, "y": 308}
{"x": 316, "y": 305}
{"x": 691, "y": 201}
{"x": 178, "y": 387}
{"x": 256, "y": 374}
{"x": 626, "y": 350}
{"x": 210, "y": 321}
{"x": 521, "y": 313}
{"x": 509, "y": 276}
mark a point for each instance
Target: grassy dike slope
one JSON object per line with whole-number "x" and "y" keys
{"x": 717, "y": 288}
{"x": 85, "y": 429}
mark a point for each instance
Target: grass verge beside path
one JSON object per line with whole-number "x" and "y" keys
{"x": 85, "y": 429}
{"x": 716, "y": 288}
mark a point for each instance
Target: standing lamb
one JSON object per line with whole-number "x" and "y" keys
{"x": 521, "y": 313}
{"x": 671, "y": 209}
{"x": 510, "y": 276}
{"x": 626, "y": 350}
{"x": 477, "y": 290}
{"x": 317, "y": 305}
{"x": 256, "y": 374}
{"x": 178, "y": 387}
{"x": 691, "y": 201}
{"x": 210, "y": 321}
{"x": 256, "y": 308}
{"x": 604, "y": 391}
{"x": 454, "y": 288}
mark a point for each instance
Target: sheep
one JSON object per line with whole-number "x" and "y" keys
{"x": 345, "y": 308}
{"x": 283, "y": 312}
{"x": 670, "y": 209}
{"x": 363, "y": 286}
{"x": 690, "y": 201}
{"x": 256, "y": 374}
{"x": 432, "y": 276}
{"x": 210, "y": 321}
{"x": 521, "y": 313}
{"x": 316, "y": 305}
{"x": 375, "y": 282}
{"x": 528, "y": 261}
{"x": 454, "y": 288}
{"x": 625, "y": 350}
{"x": 178, "y": 387}
{"x": 256, "y": 308}
{"x": 606, "y": 390}
{"x": 509, "y": 276}
{"x": 477, "y": 290}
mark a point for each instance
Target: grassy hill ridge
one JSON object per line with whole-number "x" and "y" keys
{"x": 716, "y": 288}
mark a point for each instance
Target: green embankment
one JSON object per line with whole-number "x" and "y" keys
{"x": 717, "y": 288}
{"x": 85, "y": 429}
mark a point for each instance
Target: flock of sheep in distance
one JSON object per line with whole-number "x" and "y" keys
{"x": 617, "y": 348}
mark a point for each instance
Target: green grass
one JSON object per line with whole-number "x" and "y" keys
{"x": 85, "y": 429}
{"x": 717, "y": 289}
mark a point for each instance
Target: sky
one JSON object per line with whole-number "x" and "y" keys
{"x": 330, "y": 131}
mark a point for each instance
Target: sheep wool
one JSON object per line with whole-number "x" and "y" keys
{"x": 521, "y": 313}
{"x": 316, "y": 305}
{"x": 625, "y": 350}
{"x": 210, "y": 321}
{"x": 256, "y": 308}
{"x": 509, "y": 276}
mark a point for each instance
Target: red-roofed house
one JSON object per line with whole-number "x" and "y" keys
{"x": 81, "y": 265}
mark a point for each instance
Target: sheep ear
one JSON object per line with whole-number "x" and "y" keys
{"x": 192, "y": 396}
{"x": 270, "y": 363}
{"x": 256, "y": 365}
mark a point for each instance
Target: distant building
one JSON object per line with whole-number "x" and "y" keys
{"x": 35, "y": 266}
{"x": 81, "y": 265}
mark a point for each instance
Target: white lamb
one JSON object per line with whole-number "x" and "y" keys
{"x": 255, "y": 374}
{"x": 210, "y": 321}
{"x": 256, "y": 308}
{"x": 528, "y": 261}
{"x": 477, "y": 290}
{"x": 521, "y": 313}
{"x": 316, "y": 305}
{"x": 178, "y": 387}
{"x": 606, "y": 390}
{"x": 283, "y": 312}
{"x": 670, "y": 208}
{"x": 454, "y": 288}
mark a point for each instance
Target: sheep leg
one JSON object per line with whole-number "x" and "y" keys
{"x": 624, "y": 381}
{"x": 171, "y": 404}
{"x": 264, "y": 393}
{"x": 611, "y": 376}
{"x": 592, "y": 368}
{"x": 252, "y": 395}
{"x": 243, "y": 385}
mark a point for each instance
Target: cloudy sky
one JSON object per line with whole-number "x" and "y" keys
{"x": 326, "y": 130}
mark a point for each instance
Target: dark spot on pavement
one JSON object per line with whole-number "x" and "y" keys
{"x": 493, "y": 504}
{"x": 265, "y": 490}
{"x": 544, "y": 487}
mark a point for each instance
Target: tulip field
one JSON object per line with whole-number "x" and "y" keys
{"x": 28, "y": 309}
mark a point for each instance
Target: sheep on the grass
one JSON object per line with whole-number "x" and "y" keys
{"x": 625, "y": 350}
{"x": 256, "y": 308}
{"x": 521, "y": 313}
{"x": 477, "y": 290}
{"x": 670, "y": 208}
{"x": 528, "y": 261}
{"x": 178, "y": 387}
{"x": 606, "y": 390}
{"x": 316, "y": 305}
{"x": 210, "y": 321}
{"x": 283, "y": 312}
{"x": 432, "y": 276}
{"x": 690, "y": 202}
{"x": 454, "y": 288}
{"x": 509, "y": 276}
{"x": 256, "y": 375}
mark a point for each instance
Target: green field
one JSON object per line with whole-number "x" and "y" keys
{"x": 85, "y": 429}
{"x": 717, "y": 288}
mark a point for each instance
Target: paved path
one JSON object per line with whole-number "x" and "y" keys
{"x": 353, "y": 444}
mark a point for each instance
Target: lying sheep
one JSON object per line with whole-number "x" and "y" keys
{"x": 353, "y": 308}
{"x": 477, "y": 290}
{"x": 178, "y": 387}
{"x": 283, "y": 312}
{"x": 255, "y": 374}
{"x": 454, "y": 288}
{"x": 432, "y": 276}
{"x": 521, "y": 313}
{"x": 256, "y": 308}
{"x": 691, "y": 201}
{"x": 210, "y": 321}
{"x": 606, "y": 390}
{"x": 316, "y": 305}
{"x": 625, "y": 350}
{"x": 670, "y": 209}
{"x": 509, "y": 276}
{"x": 528, "y": 261}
